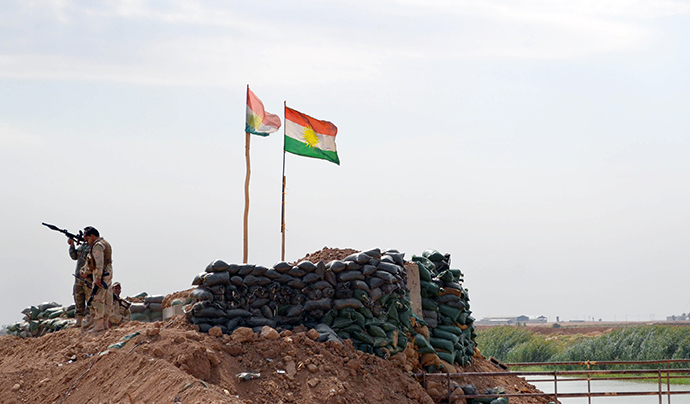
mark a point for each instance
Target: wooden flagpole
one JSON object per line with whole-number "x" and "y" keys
{"x": 282, "y": 212}
{"x": 246, "y": 200}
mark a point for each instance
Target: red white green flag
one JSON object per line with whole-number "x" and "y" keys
{"x": 259, "y": 122}
{"x": 306, "y": 136}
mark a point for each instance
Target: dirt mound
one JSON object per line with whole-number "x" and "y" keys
{"x": 171, "y": 360}
{"x": 327, "y": 254}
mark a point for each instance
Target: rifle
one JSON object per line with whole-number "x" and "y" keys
{"x": 94, "y": 291}
{"x": 79, "y": 237}
{"x": 90, "y": 285}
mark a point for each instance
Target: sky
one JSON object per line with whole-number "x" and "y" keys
{"x": 544, "y": 144}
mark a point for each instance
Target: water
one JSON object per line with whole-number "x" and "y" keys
{"x": 613, "y": 386}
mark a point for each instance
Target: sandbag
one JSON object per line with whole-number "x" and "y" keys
{"x": 347, "y": 276}
{"x": 232, "y": 313}
{"x": 345, "y": 303}
{"x": 312, "y": 277}
{"x": 282, "y": 267}
{"x": 297, "y": 272}
{"x": 218, "y": 266}
{"x": 322, "y": 304}
{"x": 245, "y": 269}
{"x": 154, "y": 299}
{"x": 213, "y": 279}
{"x": 137, "y": 308}
{"x": 336, "y": 266}
{"x": 307, "y": 266}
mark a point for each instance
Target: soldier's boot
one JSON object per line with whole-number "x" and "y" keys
{"x": 99, "y": 326}
{"x": 80, "y": 319}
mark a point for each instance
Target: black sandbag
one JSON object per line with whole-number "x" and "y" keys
{"x": 387, "y": 259}
{"x": 263, "y": 281}
{"x": 321, "y": 304}
{"x": 204, "y": 327}
{"x": 234, "y": 323}
{"x": 373, "y": 253}
{"x": 387, "y": 277}
{"x": 458, "y": 305}
{"x": 353, "y": 266}
{"x": 321, "y": 285}
{"x": 453, "y": 285}
{"x": 259, "y": 302}
{"x": 218, "y": 266}
{"x": 266, "y": 311}
{"x": 392, "y": 269}
{"x": 357, "y": 284}
{"x": 199, "y": 294}
{"x": 154, "y": 299}
{"x": 139, "y": 307}
{"x": 398, "y": 258}
{"x": 320, "y": 268}
{"x": 232, "y": 313}
{"x": 245, "y": 269}
{"x": 337, "y": 266}
{"x": 198, "y": 280}
{"x": 374, "y": 282}
{"x": 296, "y": 284}
{"x": 433, "y": 255}
{"x": 347, "y": 276}
{"x": 215, "y": 278}
{"x": 449, "y": 298}
{"x": 259, "y": 270}
{"x": 237, "y": 280}
{"x": 331, "y": 278}
{"x": 272, "y": 274}
{"x": 345, "y": 303}
{"x": 285, "y": 279}
{"x": 297, "y": 272}
{"x": 259, "y": 322}
{"x": 430, "y": 314}
{"x": 361, "y": 295}
{"x": 295, "y": 311}
{"x": 312, "y": 277}
{"x": 375, "y": 294}
{"x": 216, "y": 290}
{"x": 210, "y": 312}
{"x": 307, "y": 266}
{"x": 368, "y": 269}
{"x": 326, "y": 334}
{"x": 362, "y": 258}
{"x": 250, "y": 280}
{"x": 343, "y": 293}
{"x": 313, "y": 294}
{"x": 328, "y": 292}
{"x": 282, "y": 267}
{"x": 297, "y": 299}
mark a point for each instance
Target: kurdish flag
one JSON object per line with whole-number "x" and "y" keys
{"x": 259, "y": 122}
{"x": 306, "y": 136}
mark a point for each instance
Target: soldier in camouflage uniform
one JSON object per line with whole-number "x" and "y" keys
{"x": 99, "y": 266}
{"x": 121, "y": 311}
{"x": 80, "y": 291}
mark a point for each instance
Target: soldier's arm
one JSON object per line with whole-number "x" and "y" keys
{"x": 73, "y": 253}
{"x": 99, "y": 261}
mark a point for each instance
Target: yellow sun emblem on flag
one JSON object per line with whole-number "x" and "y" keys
{"x": 309, "y": 136}
{"x": 254, "y": 121}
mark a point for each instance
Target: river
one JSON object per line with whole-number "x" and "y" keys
{"x": 565, "y": 386}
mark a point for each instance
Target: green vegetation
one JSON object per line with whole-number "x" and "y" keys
{"x": 637, "y": 343}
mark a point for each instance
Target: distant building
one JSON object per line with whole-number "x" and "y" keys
{"x": 682, "y": 317}
{"x": 512, "y": 320}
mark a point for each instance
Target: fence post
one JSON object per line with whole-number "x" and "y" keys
{"x": 589, "y": 388}
{"x": 660, "y": 395}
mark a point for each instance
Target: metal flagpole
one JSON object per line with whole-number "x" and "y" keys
{"x": 282, "y": 212}
{"x": 246, "y": 201}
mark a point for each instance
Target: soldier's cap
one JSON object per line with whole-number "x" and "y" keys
{"x": 116, "y": 284}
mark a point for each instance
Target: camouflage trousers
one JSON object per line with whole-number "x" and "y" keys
{"x": 102, "y": 304}
{"x": 81, "y": 294}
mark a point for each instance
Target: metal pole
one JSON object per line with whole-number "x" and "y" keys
{"x": 589, "y": 387}
{"x": 246, "y": 199}
{"x": 282, "y": 211}
{"x": 668, "y": 381}
{"x": 660, "y": 395}
{"x": 555, "y": 385}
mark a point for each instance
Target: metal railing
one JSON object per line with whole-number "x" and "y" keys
{"x": 661, "y": 375}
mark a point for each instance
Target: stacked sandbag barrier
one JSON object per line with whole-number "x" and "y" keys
{"x": 146, "y": 308}
{"x": 42, "y": 319}
{"x": 362, "y": 297}
{"x": 446, "y": 310}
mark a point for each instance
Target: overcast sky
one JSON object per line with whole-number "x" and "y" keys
{"x": 544, "y": 144}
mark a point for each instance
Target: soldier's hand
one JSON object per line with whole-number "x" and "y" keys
{"x": 70, "y": 242}
{"x": 98, "y": 283}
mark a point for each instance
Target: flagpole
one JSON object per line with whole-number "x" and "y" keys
{"x": 246, "y": 200}
{"x": 282, "y": 212}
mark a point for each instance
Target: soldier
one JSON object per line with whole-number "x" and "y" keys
{"x": 80, "y": 291}
{"x": 120, "y": 312}
{"x": 99, "y": 266}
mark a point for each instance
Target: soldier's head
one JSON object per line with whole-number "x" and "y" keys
{"x": 117, "y": 288}
{"x": 91, "y": 234}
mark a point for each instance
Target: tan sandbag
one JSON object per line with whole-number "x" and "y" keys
{"x": 429, "y": 359}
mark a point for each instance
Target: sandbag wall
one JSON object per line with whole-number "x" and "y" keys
{"x": 362, "y": 297}
{"x": 151, "y": 309}
{"x": 42, "y": 319}
{"x": 446, "y": 309}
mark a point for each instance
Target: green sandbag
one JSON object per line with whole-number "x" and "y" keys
{"x": 445, "y": 276}
{"x": 366, "y": 312}
{"x": 340, "y": 322}
{"x": 457, "y": 275}
{"x": 388, "y": 327}
{"x": 404, "y": 317}
{"x": 433, "y": 255}
{"x": 328, "y": 318}
{"x": 363, "y": 337}
{"x": 380, "y": 342}
{"x": 402, "y": 340}
{"x": 138, "y": 317}
{"x": 425, "y": 267}
{"x": 361, "y": 295}
{"x": 393, "y": 315}
{"x": 343, "y": 335}
{"x": 451, "y": 328}
{"x": 430, "y": 288}
{"x": 429, "y": 304}
{"x": 352, "y": 328}
{"x": 423, "y": 345}
{"x": 450, "y": 312}
{"x": 359, "y": 319}
{"x": 500, "y": 400}
{"x": 448, "y": 357}
{"x": 375, "y": 331}
{"x": 441, "y": 343}
{"x": 445, "y": 335}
